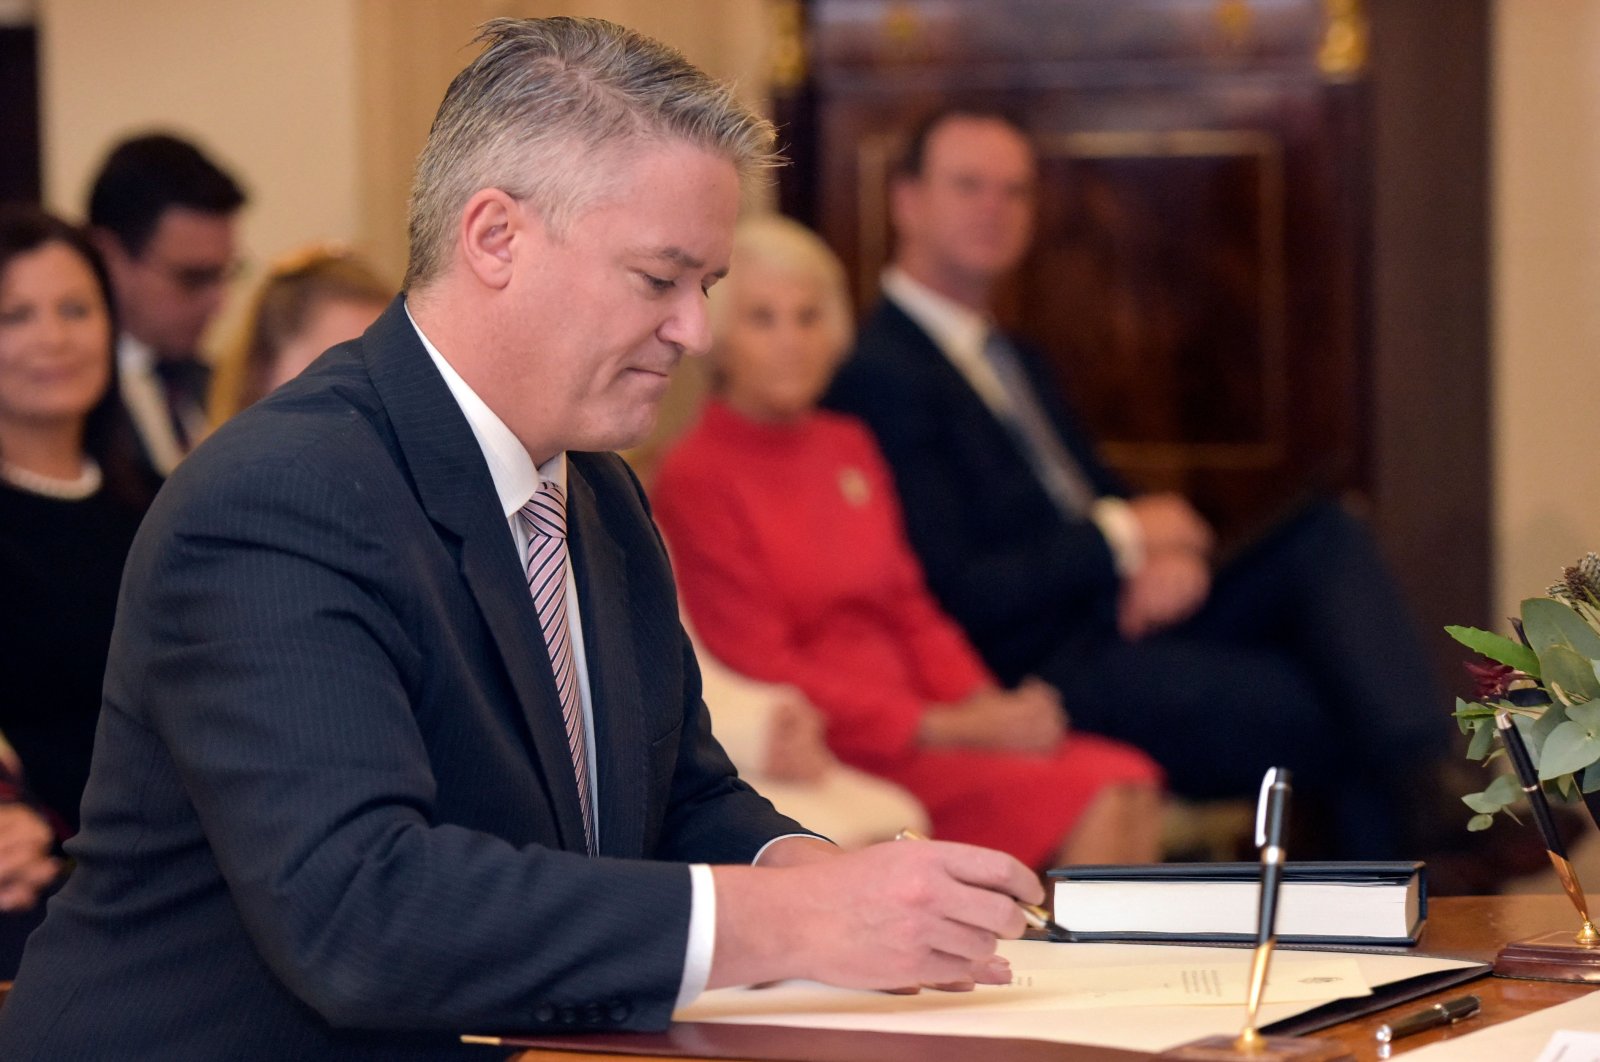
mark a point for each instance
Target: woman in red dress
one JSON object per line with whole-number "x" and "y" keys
{"x": 794, "y": 567}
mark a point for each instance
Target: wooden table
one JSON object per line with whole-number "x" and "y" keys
{"x": 1463, "y": 927}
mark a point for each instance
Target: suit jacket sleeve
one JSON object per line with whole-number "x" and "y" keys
{"x": 994, "y": 552}
{"x": 281, "y": 638}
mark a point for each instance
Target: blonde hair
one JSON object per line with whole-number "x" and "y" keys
{"x": 294, "y": 289}
{"x": 782, "y": 245}
{"x": 546, "y": 113}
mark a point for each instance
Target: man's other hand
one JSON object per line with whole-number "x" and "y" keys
{"x": 1168, "y": 522}
{"x": 1169, "y": 587}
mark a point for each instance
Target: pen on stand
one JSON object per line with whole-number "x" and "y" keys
{"x": 1528, "y": 776}
{"x": 1271, "y": 813}
{"x": 1447, "y": 1013}
{"x": 1035, "y": 915}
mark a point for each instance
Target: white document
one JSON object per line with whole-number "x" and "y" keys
{"x": 1569, "y": 1046}
{"x": 1547, "y": 1030}
{"x": 1045, "y": 1007}
{"x": 1216, "y": 983}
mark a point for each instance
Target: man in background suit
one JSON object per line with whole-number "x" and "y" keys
{"x": 402, "y": 738}
{"x": 165, "y": 217}
{"x": 1297, "y": 653}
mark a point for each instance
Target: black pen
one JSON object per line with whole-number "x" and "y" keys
{"x": 1447, "y": 1013}
{"x": 1271, "y": 812}
{"x": 1511, "y": 738}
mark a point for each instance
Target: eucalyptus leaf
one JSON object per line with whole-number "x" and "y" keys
{"x": 1482, "y": 742}
{"x": 1497, "y": 647}
{"x": 1537, "y": 731}
{"x": 1586, "y": 714}
{"x": 1570, "y": 747}
{"x": 1504, "y": 790}
{"x": 1548, "y": 622}
{"x": 1591, "y": 778}
{"x": 1572, "y": 672}
{"x": 1481, "y": 803}
{"x": 1478, "y": 823}
{"x": 1564, "y": 787}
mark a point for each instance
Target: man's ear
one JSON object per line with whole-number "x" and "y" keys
{"x": 490, "y": 222}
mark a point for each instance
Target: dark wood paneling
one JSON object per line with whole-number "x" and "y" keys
{"x": 1195, "y": 272}
{"x": 1262, "y": 270}
{"x": 1430, "y": 394}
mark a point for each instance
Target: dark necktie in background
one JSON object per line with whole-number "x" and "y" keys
{"x": 184, "y": 384}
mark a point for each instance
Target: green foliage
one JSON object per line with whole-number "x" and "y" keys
{"x": 1547, "y": 623}
{"x": 1497, "y": 647}
{"x": 1562, "y": 659}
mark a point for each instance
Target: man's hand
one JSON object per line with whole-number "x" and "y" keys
{"x": 796, "y": 751}
{"x": 1168, "y": 522}
{"x": 895, "y": 914}
{"x": 1026, "y": 719}
{"x": 26, "y": 865}
{"x": 1168, "y": 588}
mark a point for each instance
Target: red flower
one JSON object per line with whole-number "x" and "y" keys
{"x": 1490, "y": 680}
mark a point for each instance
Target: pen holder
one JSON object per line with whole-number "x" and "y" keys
{"x": 1258, "y": 1049}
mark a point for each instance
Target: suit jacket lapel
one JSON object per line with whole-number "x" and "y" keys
{"x": 455, "y": 489}
{"x": 599, "y": 566}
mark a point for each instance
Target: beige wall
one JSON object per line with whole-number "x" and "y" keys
{"x": 1546, "y": 289}
{"x": 268, "y": 88}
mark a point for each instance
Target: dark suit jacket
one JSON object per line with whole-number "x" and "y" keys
{"x": 332, "y": 812}
{"x": 1015, "y": 573}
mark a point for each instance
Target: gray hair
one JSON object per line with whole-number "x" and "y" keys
{"x": 772, "y": 242}
{"x": 546, "y": 112}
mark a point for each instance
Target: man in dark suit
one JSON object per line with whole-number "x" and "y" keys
{"x": 166, "y": 218}
{"x": 402, "y": 738}
{"x": 1297, "y": 653}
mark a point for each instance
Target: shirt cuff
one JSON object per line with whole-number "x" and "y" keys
{"x": 702, "y": 933}
{"x": 703, "y": 924}
{"x": 1115, "y": 519}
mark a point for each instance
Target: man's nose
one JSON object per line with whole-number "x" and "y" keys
{"x": 690, "y": 325}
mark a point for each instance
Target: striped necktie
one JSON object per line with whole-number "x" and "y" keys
{"x": 1062, "y": 477}
{"x": 545, "y": 517}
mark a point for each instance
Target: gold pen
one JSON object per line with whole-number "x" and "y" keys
{"x": 1035, "y": 915}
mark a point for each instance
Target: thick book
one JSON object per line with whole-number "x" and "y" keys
{"x": 1320, "y": 903}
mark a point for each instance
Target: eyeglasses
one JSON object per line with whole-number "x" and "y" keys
{"x": 194, "y": 279}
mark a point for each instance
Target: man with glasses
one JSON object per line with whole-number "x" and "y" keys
{"x": 165, "y": 217}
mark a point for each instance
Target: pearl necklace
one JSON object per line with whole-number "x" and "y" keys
{"x": 86, "y": 483}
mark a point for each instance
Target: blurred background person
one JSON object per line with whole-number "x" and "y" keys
{"x": 1296, "y": 651}
{"x": 310, "y": 300}
{"x": 793, "y": 567}
{"x": 777, "y": 740}
{"x": 71, "y": 497}
{"x": 166, "y": 218}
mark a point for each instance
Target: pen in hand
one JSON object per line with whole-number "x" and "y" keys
{"x": 1035, "y": 915}
{"x": 1447, "y": 1013}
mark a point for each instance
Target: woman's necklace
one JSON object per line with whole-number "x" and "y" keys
{"x": 81, "y": 486}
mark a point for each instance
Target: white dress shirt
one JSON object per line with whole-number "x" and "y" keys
{"x": 516, "y": 479}
{"x": 960, "y": 333}
{"x": 146, "y": 403}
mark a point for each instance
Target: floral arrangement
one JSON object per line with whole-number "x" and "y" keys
{"x": 1548, "y": 679}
